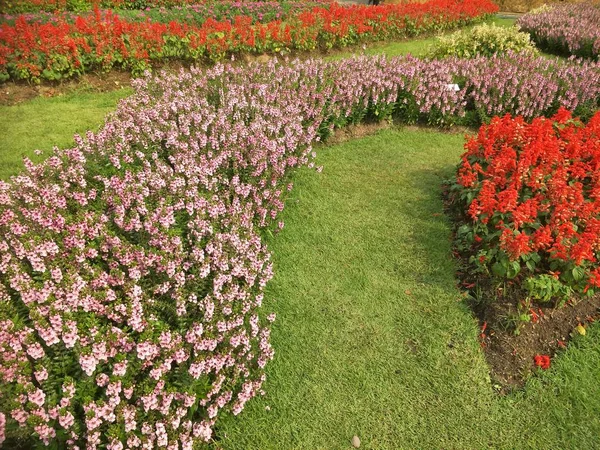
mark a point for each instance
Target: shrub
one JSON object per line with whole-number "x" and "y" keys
{"x": 528, "y": 86}
{"x": 530, "y": 194}
{"x": 482, "y": 40}
{"x": 132, "y": 267}
{"x": 565, "y": 29}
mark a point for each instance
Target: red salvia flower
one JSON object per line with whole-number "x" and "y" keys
{"x": 542, "y": 361}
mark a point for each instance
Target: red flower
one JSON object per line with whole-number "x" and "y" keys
{"x": 537, "y": 184}
{"x": 542, "y": 361}
{"x": 563, "y": 115}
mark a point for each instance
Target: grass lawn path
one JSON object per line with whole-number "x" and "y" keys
{"x": 371, "y": 338}
{"x": 42, "y": 123}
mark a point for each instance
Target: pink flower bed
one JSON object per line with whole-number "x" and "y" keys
{"x": 565, "y": 29}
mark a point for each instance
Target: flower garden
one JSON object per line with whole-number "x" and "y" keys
{"x": 32, "y": 50}
{"x": 137, "y": 265}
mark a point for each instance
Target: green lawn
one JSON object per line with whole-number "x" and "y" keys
{"x": 45, "y": 122}
{"x": 372, "y": 338}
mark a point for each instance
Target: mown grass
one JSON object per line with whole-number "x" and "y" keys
{"x": 372, "y": 338}
{"x": 43, "y": 123}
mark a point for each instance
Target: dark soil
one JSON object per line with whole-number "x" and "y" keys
{"x": 12, "y": 93}
{"x": 511, "y": 355}
{"x": 510, "y": 344}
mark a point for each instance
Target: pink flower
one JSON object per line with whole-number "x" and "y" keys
{"x": 2, "y": 428}
{"x": 115, "y": 445}
{"x": 119, "y": 369}
{"x": 20, "y": 415}
{"x": 88, "y": 364}
{"x": 66, "y": 420}
{"x": 36, "y": 351}
{"x": 45, "y": 432}
{"x": 38, "y": 397}
{"x": 41, "y": 375}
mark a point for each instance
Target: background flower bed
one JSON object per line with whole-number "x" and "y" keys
{"x": 565, "y": 29}
{"x": 22, "y": 6}
{"x": 524, "y": 6}
{"x": 132, "y": 265}
{"x": 102, "y": 41}
{"x": 189, "y": 14}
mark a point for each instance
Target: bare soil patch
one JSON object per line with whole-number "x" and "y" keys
{"x": 13, "y": 93}
{"x": 510, "y": 355}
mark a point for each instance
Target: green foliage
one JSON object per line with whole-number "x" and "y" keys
{"x": 482, "y": 40}
{"x": 78, "y": 5}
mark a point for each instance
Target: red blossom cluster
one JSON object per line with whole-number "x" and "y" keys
{"x": 532, "y": 192}
{"x": 104, "y": 40}
{"x": 542, "y": 361}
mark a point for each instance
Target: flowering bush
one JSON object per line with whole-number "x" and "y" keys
{"x": 528, "y": 86}
{"x": 532, "y": 197}
{"x": 484, "y": 40}
{"x": 565, "y": 29}
{"x": 524, "y": 6}
{"x": 131, "y": 266}
{"x": 101, "y": 41}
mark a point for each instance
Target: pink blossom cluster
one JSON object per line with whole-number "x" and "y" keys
{"x": 529, "y": 86}
{"x": 572, "y": 29}
{"x": 132, "y": 269}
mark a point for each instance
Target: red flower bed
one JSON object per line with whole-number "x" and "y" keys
{"x": 104, "y": 40}
{"x": 532, "y": 197}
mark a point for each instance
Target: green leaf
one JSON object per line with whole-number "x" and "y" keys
{"x": 499, "y": 270}
{"x": 578, "y": 273}
{"x": 513, "y": 269}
